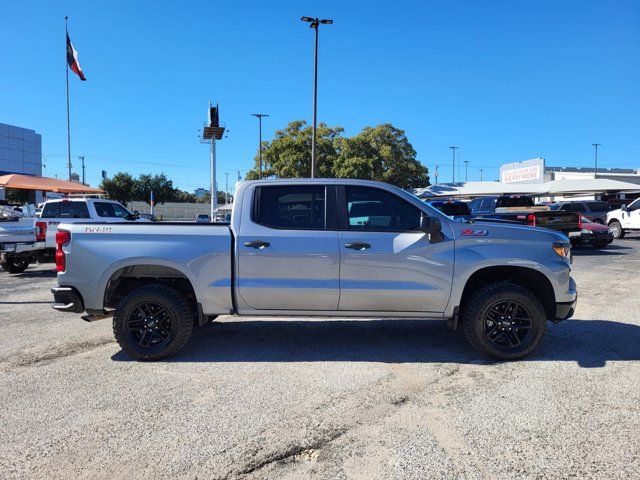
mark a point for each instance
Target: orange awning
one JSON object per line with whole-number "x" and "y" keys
{"x": 28, "y": 182}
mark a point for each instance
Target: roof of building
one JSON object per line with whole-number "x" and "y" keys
{"x": 46, "y": 184}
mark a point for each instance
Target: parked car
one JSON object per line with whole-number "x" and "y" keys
{"x": 521, "y": 209}
{"x": 593, "y": 233}
{"x": 624, "y": 219}
{"x": 455, "y": 209}
{"x": 338, "y": 247}
{"x": 203, "y": 218}
{"x": 594, "y": 210}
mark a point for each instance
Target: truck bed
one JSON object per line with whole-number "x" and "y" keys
{"x": 200, "y": 252}
{"x": 21, "y": 231}
{"x": 564, "y": 222}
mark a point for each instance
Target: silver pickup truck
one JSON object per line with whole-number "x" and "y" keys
{"x": 322, "y": 247}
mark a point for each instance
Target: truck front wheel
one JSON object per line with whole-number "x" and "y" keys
{"x": 15, "y": 264}
{"x": 616, "y": 229}
{"x": 153, "y": 322}
{"x": 504, "y": 321}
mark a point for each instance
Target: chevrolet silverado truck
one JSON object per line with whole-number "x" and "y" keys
{"x": 317, "y": 247}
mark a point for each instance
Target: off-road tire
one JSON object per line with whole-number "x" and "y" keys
{"x": 617, "y": 230}
{"x": 178, "y": 309}
{"x": 476, "y": 309}
{"x": 15, "y": 264}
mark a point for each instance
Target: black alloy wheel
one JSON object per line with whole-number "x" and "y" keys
{"x": 149, "y": 325}
{"x": 507, "y": 323}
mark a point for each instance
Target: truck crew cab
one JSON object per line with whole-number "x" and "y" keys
{"x": 317, "y": 247}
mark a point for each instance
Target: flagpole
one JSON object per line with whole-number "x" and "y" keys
{"x": 68, "y": 123}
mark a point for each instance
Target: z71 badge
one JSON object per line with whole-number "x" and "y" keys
{"x": 468, "y": 232}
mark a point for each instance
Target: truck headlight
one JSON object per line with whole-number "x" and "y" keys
{"x": 562, "y": 249}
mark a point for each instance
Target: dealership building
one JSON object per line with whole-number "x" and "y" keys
{"x": 535, "y": 170}
{"x": 20, "y": 151}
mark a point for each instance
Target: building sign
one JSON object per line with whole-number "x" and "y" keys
{"x": 528, "y": 171}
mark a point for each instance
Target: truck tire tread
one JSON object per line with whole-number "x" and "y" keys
{"x": 182, "y": 315}
{"x": 472, "y": 312}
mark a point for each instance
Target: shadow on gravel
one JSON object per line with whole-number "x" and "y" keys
{"x": 588, "y": 250}
{"x": 591, "y": 343}
{"x": 36, "y": 274}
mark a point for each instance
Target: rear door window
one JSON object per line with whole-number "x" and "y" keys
{"x": 598, "y": 206}
{"x": 297, "y": 207}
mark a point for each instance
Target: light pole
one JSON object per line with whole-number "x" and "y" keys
{"x": 481, "y": 174}
{"x": 81, "y": 158}
{"x": 595, "y": 170}
{"x": 259, "y": 116}
{"x": 466, "y": 170}
{"x": 453, "y": 164}
{"x": 315, "y": 22}
{"x": 436, "y": 173}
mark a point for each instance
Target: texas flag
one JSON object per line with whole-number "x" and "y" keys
{"x": 72, "y": 59}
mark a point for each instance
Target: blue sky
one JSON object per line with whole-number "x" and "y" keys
{"x": 504, "y": 80}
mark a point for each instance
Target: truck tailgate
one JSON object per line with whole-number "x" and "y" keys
{"x": 22, "y": 231}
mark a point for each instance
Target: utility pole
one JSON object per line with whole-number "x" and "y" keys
{"x": 315, "y": 22}
{"x": 481, "y": 174}
{"x": 595, "y": 170}
{"x": 81, "y": 158}
{"x": 259, "y": 116}
{"x": 466, "y": 170}
{"x": 453, "y": 164}
{"x": 435, "y": 174}
{"x": 226, "y": 188}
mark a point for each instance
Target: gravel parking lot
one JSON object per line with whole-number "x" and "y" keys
{"x": 299, "y": 398}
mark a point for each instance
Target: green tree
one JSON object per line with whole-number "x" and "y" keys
{"x": 160, "y": 185}
{"x": 288, "y": 155}
{"x": 380, "y": 153}
{"x": 120, "y": 187}
{"x": 377, "y": 153}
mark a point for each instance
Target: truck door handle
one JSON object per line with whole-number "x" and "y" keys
{"x": 257, "y": 244}
{"x": 357, "y": 245}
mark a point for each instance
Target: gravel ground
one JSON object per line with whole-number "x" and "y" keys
{"x": 330, "y": 399}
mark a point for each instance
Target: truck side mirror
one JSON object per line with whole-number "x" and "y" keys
{"x": 430, "y": 224}
{"x": 624, "y": 207}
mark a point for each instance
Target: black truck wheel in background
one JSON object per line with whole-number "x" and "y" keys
{"x": 153, "y": 322}
{"x": 504, "y": 321}
{"x": 15, "y": 264}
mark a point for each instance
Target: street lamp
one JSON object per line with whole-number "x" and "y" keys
{"x": 595, "y": 170}
{"x": 453, "y": 165}
{"x": 466, "y": 170}
{"x": 314, "y": 23}
{"x": 259, "y": 116}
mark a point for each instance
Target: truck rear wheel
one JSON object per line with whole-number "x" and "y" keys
{"x": 504, "y": 321}
{"x": 153, "y": 322}
{"x": 15, "y": 264}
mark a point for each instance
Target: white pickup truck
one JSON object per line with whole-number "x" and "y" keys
{"x": 624, "y": 219}
{"x": 317, "y": 247}
{"x": 37, "y": 237}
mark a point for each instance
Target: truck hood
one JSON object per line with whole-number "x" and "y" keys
{"x": 506, "y": 230}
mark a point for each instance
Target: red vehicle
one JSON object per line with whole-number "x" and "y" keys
{"x": 592, "y": 233}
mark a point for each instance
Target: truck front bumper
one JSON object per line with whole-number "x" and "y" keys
{"x": 565, "y": 310}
